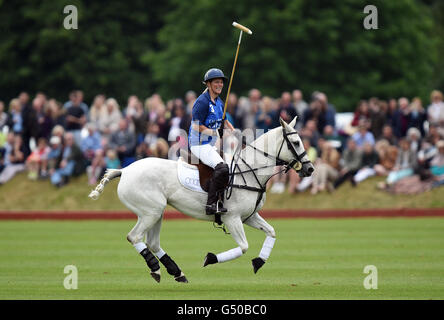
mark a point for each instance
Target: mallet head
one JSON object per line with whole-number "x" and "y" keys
{"x": 241, "y": 27}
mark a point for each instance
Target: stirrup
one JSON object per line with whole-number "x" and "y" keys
{"x": 215, "y": 208}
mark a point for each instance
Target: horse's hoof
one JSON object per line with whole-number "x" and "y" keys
{"x": 210, "y": 259}
{"x": 257, "y": 264}
{"x": 181, "y": 278}
{"x": 156, "y": 275}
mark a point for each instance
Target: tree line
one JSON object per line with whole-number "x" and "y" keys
{"x": 144, "y": 46}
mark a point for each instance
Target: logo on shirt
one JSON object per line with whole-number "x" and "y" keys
{"x": 212, "y": 108}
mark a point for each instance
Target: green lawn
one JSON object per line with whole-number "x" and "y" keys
{"x": 312, "y": 259}
{"x": 41, "y": 195}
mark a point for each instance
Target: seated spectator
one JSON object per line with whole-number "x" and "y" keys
{"x": 3, "y": 116}
{"x": 152, "y": 105}
{"x": 328, "y": 109}
{"x": 433, "y": 136}
{"x": 248, "y": 107}
{"x": 370, "y": 159}
{"x": 157, "y": 146}
{"x": 417, "y": 116}
{"x": 190, "y": 98}
{"x": 58, "y": 113}
{"x": 58, "y": 131}
{"x": 37, "y": 161}
{"x": 401, "y": 118}
{"x": 70, "y": 162}
{"x": 437, "y": 163}
{"x": 286, "y": 109}
{"x": 97, "y": 108}
{"x": 387, "y": 155}
{"x": 352, "y": 158}
{"x": 315, "y": 114}
{"x": 404, "y": 166}
{"x": 162, "y": 122}
{"x": 178, "y": 123}
{"x": 43, "y": 118}
{"x": 92, "y": 149}
{"x": 2, "y": 157}
{"x": 336, "y": 141}
{"x": 267, "y": 118}
{"x": 388, "y": 135}
{"x": 300, "y": 105}
{"x": 15, "y": 120}
{"x": 378, "y": 116}
{"x": 14, "y": 157}
{"x": 142, "y": 151}
{"x": 232, "y": 108}
{"x": 137, "y": 117}
{"x": 363, "y": 136}
{"x": 326, "y": 169}
{"x": 424, "y": 158}
{"x": 109, "y": 120}
{"x": 123, "y": 141}
{"x": 30, "y": 122}
{"x": 362, "y": 113}
{"x": 75, "y": 119}
{"x": 56, "y": 147}
{"x": 111, "y": 160}
{"x": 76, "y": 98}
{"x": 414, "y": 137}
{"x": 435, "y": 111}
{"x": 391, "y": 110}
{"x": 310, "y": 131}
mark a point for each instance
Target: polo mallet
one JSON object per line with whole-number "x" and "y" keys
{"x": 242, "y": 29}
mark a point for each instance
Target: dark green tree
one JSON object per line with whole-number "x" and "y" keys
{"x": 102, "y": 56}
{"x": 312, "y": 45}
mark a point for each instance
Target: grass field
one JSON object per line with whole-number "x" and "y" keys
{"x": 312, "y": 259}
{"x": 41, "y": 195}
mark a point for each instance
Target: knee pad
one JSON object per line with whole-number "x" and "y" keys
{"x": 221, "y": 173}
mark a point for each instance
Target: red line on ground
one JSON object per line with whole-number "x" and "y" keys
{"x": 122, "y": 215}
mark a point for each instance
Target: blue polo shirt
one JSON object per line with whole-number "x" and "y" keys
{"x": 207, "y": 113}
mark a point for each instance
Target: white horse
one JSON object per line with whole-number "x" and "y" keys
{"x": 148, "y": 185}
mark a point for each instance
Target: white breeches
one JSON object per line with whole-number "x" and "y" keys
{"x": 207, "y": 154}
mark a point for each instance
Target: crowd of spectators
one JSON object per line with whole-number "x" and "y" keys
{"x": 53, "y": 140}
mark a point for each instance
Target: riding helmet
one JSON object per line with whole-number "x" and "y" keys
{"x": 214, "y": 73}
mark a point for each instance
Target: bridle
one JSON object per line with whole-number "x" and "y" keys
{"x": 297, "y": 157}
{"x": 287, "y": 164}
{"x": 297, "y": 163}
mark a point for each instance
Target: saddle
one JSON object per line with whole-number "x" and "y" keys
{"x": 205, "y": 172}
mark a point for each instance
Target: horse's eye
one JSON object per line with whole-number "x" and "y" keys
{"x": 298, "y": 143}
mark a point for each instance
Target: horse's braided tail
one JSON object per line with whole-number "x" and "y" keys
{"x": 107, "y": 177}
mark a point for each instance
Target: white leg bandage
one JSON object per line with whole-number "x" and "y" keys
{"x": 229, "y": 255}
{"x": 159, "y": 254}
{"x": 140, "y": 246}
{"x": 267, "y": 247}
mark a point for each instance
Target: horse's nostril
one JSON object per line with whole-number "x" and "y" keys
{"x": 310, "y": 170}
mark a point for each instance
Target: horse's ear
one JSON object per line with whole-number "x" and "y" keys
{"x": 293, "y": 122}
{"x": 283, "y": 123}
